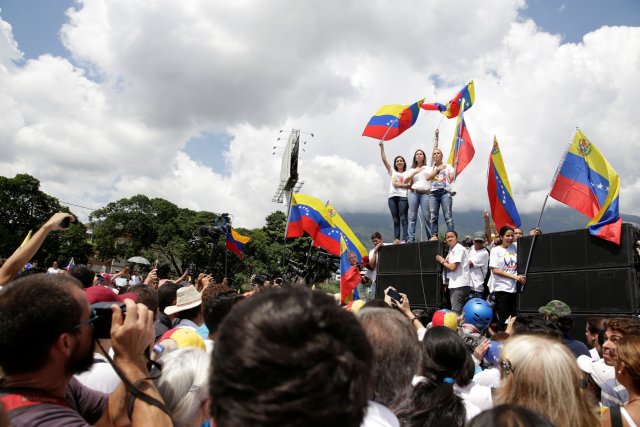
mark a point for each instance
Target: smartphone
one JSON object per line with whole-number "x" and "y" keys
{"x": 393, "y": 294}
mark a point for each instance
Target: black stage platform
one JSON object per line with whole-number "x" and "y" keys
{"x": 593, "y": 276}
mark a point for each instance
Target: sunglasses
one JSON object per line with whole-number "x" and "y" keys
{"x": 93, "y": 318}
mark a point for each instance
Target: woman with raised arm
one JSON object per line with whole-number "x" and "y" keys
{"x": 398, "y": 204}
{"x": 418, "y": 195}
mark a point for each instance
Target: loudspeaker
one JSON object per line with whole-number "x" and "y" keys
{"x": 422, "y": 289}
{"x": 410, "y": 258}
{"x": 577, "y": 249}
{"x": 611, "y": 290}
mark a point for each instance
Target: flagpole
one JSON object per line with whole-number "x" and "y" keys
{"x": 486, "y": 181}
{"x": 456, "y": 152}
{"x": 387, "y": 131}
{"x": 553, "y": 181}
{"x": 436, "y": 138}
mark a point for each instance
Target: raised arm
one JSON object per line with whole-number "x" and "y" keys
{"x": 22, "y": 255}
{"x": 487, "y": 226}
{"x": 384, "y": 157}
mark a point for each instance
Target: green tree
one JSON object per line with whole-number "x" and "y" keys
{"x": 24, "y": 207}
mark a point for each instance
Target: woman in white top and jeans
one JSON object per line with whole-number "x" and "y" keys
{"x": 398, "y": 204}
{"x": 418, "y": 194}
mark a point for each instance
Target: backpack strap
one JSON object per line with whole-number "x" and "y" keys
{"x": 616, "y": 416}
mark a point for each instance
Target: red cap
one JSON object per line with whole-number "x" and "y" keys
{"x": 103, "y": 294}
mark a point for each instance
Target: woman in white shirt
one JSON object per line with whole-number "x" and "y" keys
{"x": 418, "y": 195}
{"x": 398, "y": 204}
{"x": 503, "y": 262}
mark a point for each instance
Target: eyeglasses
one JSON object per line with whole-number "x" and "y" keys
{"x": 93, "y": 318}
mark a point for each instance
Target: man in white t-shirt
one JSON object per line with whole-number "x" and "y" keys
{"x": 456, "y": 271}
{"x": 478, "y": 265}
{"x": 54, "y": 268}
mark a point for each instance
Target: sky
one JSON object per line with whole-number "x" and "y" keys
{"x": 102, "y": 100}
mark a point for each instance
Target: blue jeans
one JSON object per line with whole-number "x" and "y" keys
{"x": 436, "y": 199}
{"x": 399, "y": 207}
{"x": 417, "y": 200}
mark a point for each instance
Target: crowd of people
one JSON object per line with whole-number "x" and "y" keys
{"x": 77, "y": 348}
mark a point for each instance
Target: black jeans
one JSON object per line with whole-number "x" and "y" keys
{"x": 506, "y": 305}
{"x": 399, "y": 208}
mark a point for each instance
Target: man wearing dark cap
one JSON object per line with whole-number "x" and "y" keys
{"x": 478, "y": 265}
{"x": 560, "y": 314}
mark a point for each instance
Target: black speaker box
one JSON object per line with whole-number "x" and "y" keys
{"x": 578, "y": 250}
{"x": 410, "y": 258}
{"x": 422, "y": 289}
{"x": 611, "y": 290}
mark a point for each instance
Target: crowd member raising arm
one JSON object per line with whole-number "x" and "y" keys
{"x": 398, "y": 204}
{"x": 22, "y": 255}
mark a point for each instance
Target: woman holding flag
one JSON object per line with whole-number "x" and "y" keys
{"x": 440, "y": 176}
{"x": 398, "y": 204}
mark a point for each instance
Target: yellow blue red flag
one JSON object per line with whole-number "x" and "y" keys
{"x": 587, "y": 182}
{"x": 236, "y": 242}
{"x": 391, "y": 120}
{"x": 503, "y": 208}
{"x": 452, "y": 109}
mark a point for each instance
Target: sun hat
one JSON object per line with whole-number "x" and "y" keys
{"x": 187, "y": 297}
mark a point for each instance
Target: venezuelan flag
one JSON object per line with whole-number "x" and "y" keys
{"x": 391, "y": 120}
{"x": 503, "y": 208}
{"x": 349, "y": 275}
{"x": 70, "y": 265}
{"x": 236, "y": 242}
{"x": 452, "y": 109}
{"x": 587, "y": 182}
{"x": 462, "y": 150}
{"x": 309, "y": 215}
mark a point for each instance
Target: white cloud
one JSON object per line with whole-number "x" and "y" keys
{"x": 150, "y": 75}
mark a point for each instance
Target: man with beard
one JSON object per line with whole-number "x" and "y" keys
{"x": 46, "y": 336}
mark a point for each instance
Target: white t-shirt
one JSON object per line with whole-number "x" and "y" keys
{"x": 480, "y": 260}
{"x": 420, "y": 179}
{"x": 505, "y": 259}
{"x": 479, "y": 395}
{"x": 442, "y": 180}
{"x": 397, "y": 178}
{"x": 52, "y": 270}
{"x": 101, "y": 376}
{"x": 460, "y": 276}
{"x": 377, "y": 415}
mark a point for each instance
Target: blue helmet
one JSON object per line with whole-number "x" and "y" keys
{"x": 493, "y": 353}
{"x": 477, "y": 312}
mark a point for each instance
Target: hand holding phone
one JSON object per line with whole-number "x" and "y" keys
{"x": 395, "y": 295}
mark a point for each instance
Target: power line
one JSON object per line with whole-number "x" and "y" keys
{"x": 78, "y": 206}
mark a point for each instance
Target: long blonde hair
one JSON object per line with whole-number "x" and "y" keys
{"x": 543, "y": 375}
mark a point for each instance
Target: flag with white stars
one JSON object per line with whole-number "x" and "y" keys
{"x": 587, "y": 182}
{"x": 503, "y": 208}
{"x": 392, "y": 120}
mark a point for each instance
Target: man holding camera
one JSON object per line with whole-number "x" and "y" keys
{"x": 46, "y": 336}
